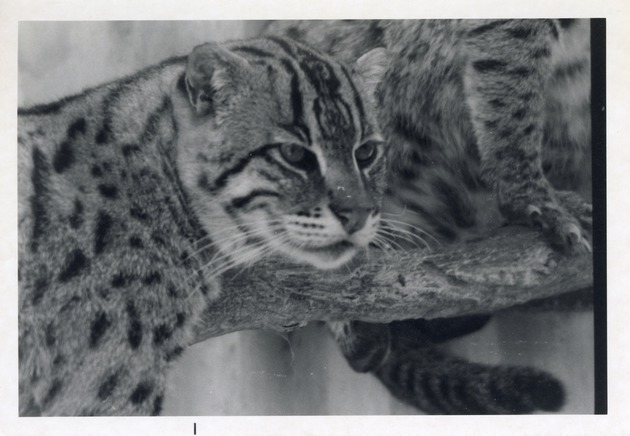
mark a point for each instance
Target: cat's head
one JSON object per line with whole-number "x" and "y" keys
{"x": 279, "y": 150}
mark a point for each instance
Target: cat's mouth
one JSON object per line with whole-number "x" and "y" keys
{"x": 335, "y": 248}
{"x": 329, "y": 256}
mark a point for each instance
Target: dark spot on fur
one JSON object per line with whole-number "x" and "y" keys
{"x": 407, "y": 173}
{"x": 553, "y": 28}
{"x": 107, "y": 387}
{"x": 77, "y": 128}
{"x": 121, "y": 280}
{"x": 141, "y": 392}
{"x": 527, "y": 96}
{"x": 161, "y": 334}
{"x": 505, "y": 133}
{"x": 376, "y": 35}
{"x": 96, "y": 171}
{"x": 104, "y": 135}
{"x": 566, "y": 23}
{"x": 521, "y": 72}
{"x": 174, "y": 353}
{"x": 135, "y": 242}
{"x": 204, "y": 183}
{"x": 138, "y": 213}
{"x": 172, "y": 292}
{"x": 152, "y": 123}
{"x": 185, "y": 258}
{"x": 519, "y": 114}
{"x": 40, "y": 287}
{"x": 134, "y": 332}
{"x": 98, "y": 329}
{"x": 59, "y": 360}
{"x": 75, "y": 263}
{"x": 203, "y": 158}
{"x": 157, "y": 405}
{"x": 489, "y": 65}
{"x": 496, "y": 103}
{"x": 76, "y": 219}
{"x": 520, "y": 32}
{"x": 487, "y": 27}
{"x": 39, "y": 178}
{"x": 401, "y": 280}
{"x": 181, "y": 318}
{"x": 529, "y": 129}
{"x": 203, "y": 289}
{"x": 64, "y": 157}
{"x": 181, "y": 84}
{"x": 103, "y": 225}
{"x": 294, "y": 33}
{"x": 491, "y": 124}
{"x": 152, "y": 278}
{"x": 53, "y": 391}
{"x": 108, "y": 190}
{"x": 50, "y": 336}
{"x": 130, "y": 149}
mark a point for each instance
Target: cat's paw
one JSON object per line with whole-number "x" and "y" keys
{"x": 563, "y": 216}
{"x": 578, "y": 207}
{"x": 364, "y": 344}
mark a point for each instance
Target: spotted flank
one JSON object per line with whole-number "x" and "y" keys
{"x": 136, "y": 195}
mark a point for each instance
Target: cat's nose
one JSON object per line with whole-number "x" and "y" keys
{"x": 352, "y": 219}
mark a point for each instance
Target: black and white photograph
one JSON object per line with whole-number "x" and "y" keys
{"x": 145, "y": 201}
{"x": 311, "y": 218}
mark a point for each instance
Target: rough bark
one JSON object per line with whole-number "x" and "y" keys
{"x": 510, "y": 267}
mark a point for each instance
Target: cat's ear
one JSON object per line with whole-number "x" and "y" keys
{"x": 371, "y": 68}
{"x": 212, "y": 77}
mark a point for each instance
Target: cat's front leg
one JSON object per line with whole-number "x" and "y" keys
{"x": 508, "y": 67}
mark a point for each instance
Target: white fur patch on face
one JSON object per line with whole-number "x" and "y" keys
{"x": 319, "y": 238}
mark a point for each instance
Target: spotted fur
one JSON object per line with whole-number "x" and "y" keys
{"x": 487, "y": 120}
{"x": 134, "y": 196}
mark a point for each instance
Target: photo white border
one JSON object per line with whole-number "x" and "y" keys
{"x": 617, "y": 14}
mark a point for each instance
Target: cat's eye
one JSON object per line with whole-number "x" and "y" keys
{"x": 298, "y": 156}
{"x": 366, "y": 153}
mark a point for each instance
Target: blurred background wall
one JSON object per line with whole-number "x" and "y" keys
{"x": 258, "y": 372}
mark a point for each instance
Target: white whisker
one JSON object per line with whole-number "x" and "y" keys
{"x": 408, "y": 228}
{"x": 401, "y": 235}
{"x": 392, "y": 242}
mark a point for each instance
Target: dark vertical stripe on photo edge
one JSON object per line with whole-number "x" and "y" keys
{"x": 598, "y": 118}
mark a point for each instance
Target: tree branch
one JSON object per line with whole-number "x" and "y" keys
{"x": 510, "y": 267}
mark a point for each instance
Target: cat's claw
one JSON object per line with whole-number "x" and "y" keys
{"x": 535, "y": 216}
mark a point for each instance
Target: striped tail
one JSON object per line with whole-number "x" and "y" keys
{"x": 441, "y": 384}
{"x": 404, "y": 357}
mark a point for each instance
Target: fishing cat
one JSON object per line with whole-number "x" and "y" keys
{"x": 135, "y": 195}
{"x": 486, "y": 120}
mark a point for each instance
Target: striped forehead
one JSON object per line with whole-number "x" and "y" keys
{"x": 320, "y": 85}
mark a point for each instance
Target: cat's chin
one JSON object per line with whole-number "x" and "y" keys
{"x": 328, "y": 257}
